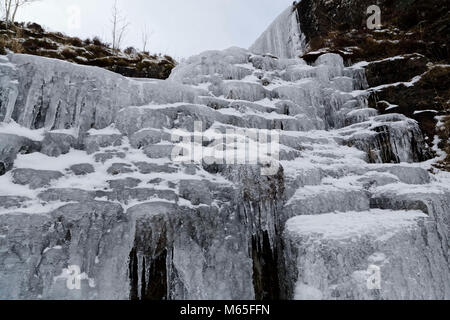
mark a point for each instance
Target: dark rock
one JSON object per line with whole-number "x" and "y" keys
{"x": 35, "y": 178}
{"x": 103, "y": 157}
{"x": 139, "y": 194}
{"x": 147, "y": 137}
{"x": 396, "y": 70}
{"x": 190, "y": 169}
{"x": 93, "y": 143}
{"x": 66, "y": 195}
{"x": 197, "y": 192}
{"x": 146, "y": 168}
{"x": 150, "y": 251}
{"x": 120, "y": 168}
{"x": 431, "y": 92}
{"x": 56, "y": 144}
{"x": 12, "y": 201}
{"x": 124, "y": 183}
{"x": 155, "y": 181}
{"x": 11, "y": 146}
{"x": 159, "y": 151}
{"x": 82, "y": 169}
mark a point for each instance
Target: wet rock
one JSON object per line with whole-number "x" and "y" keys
{"x": 12, "y": 201}
{"x": 35, "y": 179}
{"x": 190, "y": 169}
{"x": 66, "y": 195}
{"x": 159, "y": 151}
{"x": 103, "y": 157}
{"x": 56, "y": 143}
{"x": 155, "y": 181}
{"x": 124, "y": 183}
{"x": 146, "y": 168}
{"x": 120, "y": 168}
{"x": 82, "y": 169}
{"x": 147, "y": 137}
{"x": 197, "y": 192}
{"x": 401, "y": 69}
{"x": 93, "y": 143}
{"x": 11, "y": 146}
{"x": 128, "y": 194}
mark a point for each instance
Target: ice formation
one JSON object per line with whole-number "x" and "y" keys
{"x": 87, "y": 180}
{"x": 283, "y": 38}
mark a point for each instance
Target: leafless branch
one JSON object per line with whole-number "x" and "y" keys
{"x": 119, "y": 26}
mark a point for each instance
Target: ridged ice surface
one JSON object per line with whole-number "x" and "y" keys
{"x": 87, "y": 179}
{"x": 283, "y": 38}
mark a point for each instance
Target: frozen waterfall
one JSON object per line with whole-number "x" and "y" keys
{"x": 87, "y": 181}
{"x": 283, "y": 38}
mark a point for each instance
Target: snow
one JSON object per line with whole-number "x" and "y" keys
{"x": 71, "y": 131}
{"x": 40, "y": 161}
{"x": 424, "y": 111}
{"x": 341, "y": 226}
{"x": 18, "y": 130}
{"x": 110, "y": 130}
{"x": 390, "y": 106}
{"x": 305, "y": 292}
{"x": 53, "y": 248}
{"x": 363, "y": 64}
{"x": 7, "y": 188}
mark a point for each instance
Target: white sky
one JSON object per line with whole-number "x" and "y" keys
{"x": 180, "y": 28}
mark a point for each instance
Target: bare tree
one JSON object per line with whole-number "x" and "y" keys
{"x": 7, "y": 5}
{"x": 11, "y": 7}
{"x": 119, "y": 27}
{"x": 145, "y": 37}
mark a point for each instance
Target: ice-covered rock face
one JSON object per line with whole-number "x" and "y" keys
{"x": 89, "y": 189}
{"x": 283, "y": 38}
{"x": 340, "y": 256}
{"x": 46, "y": 93}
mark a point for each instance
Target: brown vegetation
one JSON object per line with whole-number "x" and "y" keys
{"x": 31, "y": 38}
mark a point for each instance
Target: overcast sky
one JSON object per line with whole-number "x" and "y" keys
{"x": 180, "y": 27}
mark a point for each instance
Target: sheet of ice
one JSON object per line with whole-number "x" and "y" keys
{"x": 283, "y": 38}
{"x": 13, "y": 128}
{"x": 382, "y": 223}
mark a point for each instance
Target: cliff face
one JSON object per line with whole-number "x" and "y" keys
{"x": 90, "y": 183}
{"x": 413, "y": 26}
{"x": 413, "y": 43}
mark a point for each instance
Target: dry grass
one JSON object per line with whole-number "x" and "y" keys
{"x": 16, "y": 46}
{"x": 33, "y": 39}
{"x": 69, "y": 54}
